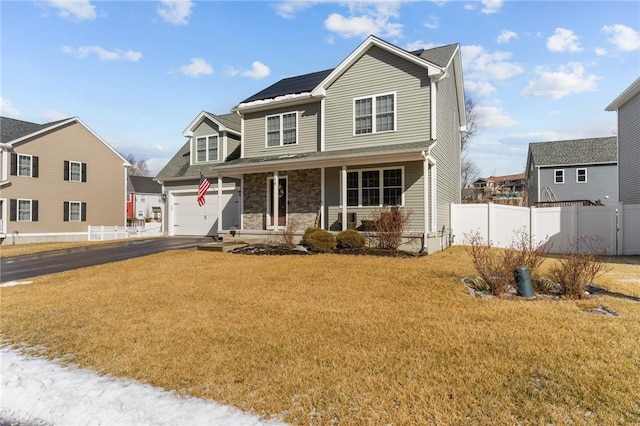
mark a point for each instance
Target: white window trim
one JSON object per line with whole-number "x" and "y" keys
{"x": 30, "y": 165}
{"x": 585, "y": 175}
{"x": 373, "y": 113}
{"x": 207, "y": 143}
{"x": 555, "y": 181}
{"x": 79, "y": 175}
{"x": 281, "y": 139}
{"x": 79, "y": 203}
{"x": 380, "y": 185}
{"x": 18, "y": 210}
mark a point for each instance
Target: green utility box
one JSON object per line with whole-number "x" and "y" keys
{"x": 523, "y": 281}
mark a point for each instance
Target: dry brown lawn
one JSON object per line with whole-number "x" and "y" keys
{"x": 335, "y": 339}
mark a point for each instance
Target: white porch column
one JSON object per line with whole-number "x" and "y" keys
{"x": 322, "y": 199}
{"x": 219, "y": 203}
{"x": 275, "y": 200}
{"x": 343, "y": 196}
{"x": 425, "y": 197}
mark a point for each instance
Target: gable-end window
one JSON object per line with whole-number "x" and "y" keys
{"x": 24, "y": 165}
{"x": 581, "y": 175}
{"x": 381, "y": 187}
{"x": 282, "y": 129}
{"x": 23, "y": 210}
{"x": 558, "y": 176}
{"x": 74, "y": 211}
{"x": 206, "y": 149}
{"x": 75, "y": 171}
{"x": 374, "y": 114}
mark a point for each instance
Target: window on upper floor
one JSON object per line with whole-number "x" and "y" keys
{"x": 75, "y": 171}
{"x": 74, "y": 211}
{"x": 206, "y": 148}
{"x": 558, "y": 176}
{"x": 22, "y": 210}
{"x": 581, "y": 175}
{"x": 282, "y": 129}
{"x": 374, "y": 114}
{"x": 380, "y": 187}
{"x": 24, "y": 165}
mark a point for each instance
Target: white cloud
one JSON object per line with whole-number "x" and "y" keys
{"x": 196, "y": 68}
{"x": 175, "y": 12}
{"x": 74, "y": 10}
{"x": 8, "y": 110}
{"x": 566, "y": 80}
{"x": 49, "y": 116}
{"x": 483, "y": 65}
{"x": 622, "y": 37}
{"x": 480, "y": 88}
{"x": 417, "y": 45}
{"x": 102, "y": 53}
{"x": 432, "y": 22}
{"x": 492, "y": 117}
{"x": 563, "y": 40}
{"x": 365, "y": 19}
{"x": 506, "y": 36}
{"x": 470, "y": 6}
{"x": 288, "y": 9}
{"x": 491, "y": 6}
{"x": 258, "y": 71}
{"x": 600, "y": 51}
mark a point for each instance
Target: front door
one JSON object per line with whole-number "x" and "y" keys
{"x": 281, "y": 200}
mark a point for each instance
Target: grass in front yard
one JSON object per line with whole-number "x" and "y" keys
{"x": 338, "y": 339}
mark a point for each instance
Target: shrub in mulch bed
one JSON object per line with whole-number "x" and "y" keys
{"x": 280, "y": 250}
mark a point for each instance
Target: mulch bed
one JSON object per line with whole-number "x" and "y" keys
{"x": 282, "y": 250}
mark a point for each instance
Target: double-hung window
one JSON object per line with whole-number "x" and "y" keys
{"x": 206, "y": 149}
{"x": 74, "y": 211}
{"x": 581, "y": 175}
{"x": 558, "y": 176}
{"x": 23, "y": 210}
{"x": 374, "y": 114}
{"x": 374, "y": 188}
{"x": 75, "y": 171}
{"x": 24, "y": 165}
{"x": 282, "y": 129}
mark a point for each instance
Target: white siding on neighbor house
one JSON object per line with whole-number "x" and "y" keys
{"x": 378, "y": 72}
{"x": 255, "y": 134}
{"x": 629, "y": 150}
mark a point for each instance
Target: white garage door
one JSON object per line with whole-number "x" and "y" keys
{"x": 191, "y": 219}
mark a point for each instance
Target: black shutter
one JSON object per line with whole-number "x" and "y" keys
{"x": 83, "y": 212}
{"x": 65, "y": 211}
{"x": 84, "y": 172}
{"x": 14, "y": 164}
{"x": 13, "y": 210}
{"x": 34, "y": 166}
{"x": 34, "y": 210}
{"x": 66, "y": 170}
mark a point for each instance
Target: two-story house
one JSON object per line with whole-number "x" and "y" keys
{"x": 144, "y": 202}
{"x": 499, "y": 186}
{"x": 628, "y": 107}
{"x": 328, "y": 148}
{"x": 573, "y": 171}
{"x": 56, "y": 179}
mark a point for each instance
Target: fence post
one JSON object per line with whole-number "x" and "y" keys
{"x": 620, "y": 229}
{"x": 490, "y": 223}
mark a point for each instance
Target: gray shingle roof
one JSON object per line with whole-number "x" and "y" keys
{"x": 577, "y": 151}
{"x": 145, "y": 185}
{"x": 231, "y": 121}
{"x": 292, "y": 85}
{"x": 439, "y": 56}
{"x": 12, "y": 129}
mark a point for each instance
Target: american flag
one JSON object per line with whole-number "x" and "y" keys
{"x": 203, "y": 187}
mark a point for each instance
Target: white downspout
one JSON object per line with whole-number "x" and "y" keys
{"x": 322, "y": 198}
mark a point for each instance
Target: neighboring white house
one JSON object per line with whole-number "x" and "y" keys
{"x": 144, "y": 202}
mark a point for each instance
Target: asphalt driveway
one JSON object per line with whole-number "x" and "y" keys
{"x": 32, "y": 265}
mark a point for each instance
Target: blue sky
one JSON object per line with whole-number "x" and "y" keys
{"x": 138, "y": 72}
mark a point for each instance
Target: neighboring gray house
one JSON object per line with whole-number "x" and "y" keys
{"x": 326, "y": 149}
{"x": 628, "y": 107}
{"x": 144, "y": 202}
{"x": 573, "y": 170}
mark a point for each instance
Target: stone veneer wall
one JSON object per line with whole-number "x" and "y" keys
{"x": 303, "y": 198}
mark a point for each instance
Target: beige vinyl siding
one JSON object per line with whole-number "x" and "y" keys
{"x": 447, "y": 150}
{"x": 308, "y": 131}
{"x": 378, "y": 72}
{"x": 413, "y": 187}
{"x": 104, "y": 190}
{"x": 629, "y": 151}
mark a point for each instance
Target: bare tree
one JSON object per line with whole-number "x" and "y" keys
{"x": 469, "y": 170}
{"x": 470, "y": 113}
{"x": 138, "y": 167}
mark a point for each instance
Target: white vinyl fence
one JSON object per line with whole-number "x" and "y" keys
{"x": 103, "y": 233}
{"x": 618, "y": 226}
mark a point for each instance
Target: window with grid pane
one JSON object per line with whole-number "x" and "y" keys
{"x": 212, "y": 148}
{"x": 24, "y": 210}
{"x": 24, "y": 165}
{"x": 371, "y": 188}
{"x": 363, "y": 116}
{"x": 374, "y": 114}
{"x": 273, "y": 131}
{"x": 201, "y": 149}
{"x": 74, "y": 211}
{"x": 392, "y": 187}
{"x": 289, "y": 129}
{"x": 75, "y": 171}
{"x": 282, "y": 129}
{"x": 581, "y": 175}
{"x": 384, "y": 113}
{"x": 352, "y": 188}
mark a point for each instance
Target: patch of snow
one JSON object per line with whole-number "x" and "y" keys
{"x": 276, "y": 99}
{"x": 15, "y": 283}
{"x": 37, "y": 391}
